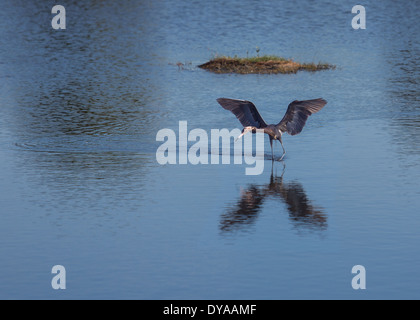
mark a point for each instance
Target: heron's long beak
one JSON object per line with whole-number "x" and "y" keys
{"x": 247, "y": 129}
{"x": 240, "y": 136}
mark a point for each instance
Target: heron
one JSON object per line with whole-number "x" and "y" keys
{"x": 293, "y": 121}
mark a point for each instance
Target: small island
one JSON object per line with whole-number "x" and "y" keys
{"x": 261, "y": 65}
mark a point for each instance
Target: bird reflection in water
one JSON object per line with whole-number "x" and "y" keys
{"x": 303, "y": 215}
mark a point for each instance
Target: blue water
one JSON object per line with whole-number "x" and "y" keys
{"x": 80, "y": 185}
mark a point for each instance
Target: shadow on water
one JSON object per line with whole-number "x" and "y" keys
{"x": 403, "y": 89}
{"x": 302, "y": 214}
{"x": 403, "y": 78}
{"x": 89, "y": 80}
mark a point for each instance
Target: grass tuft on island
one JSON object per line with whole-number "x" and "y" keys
{"x": 263, "y": 65}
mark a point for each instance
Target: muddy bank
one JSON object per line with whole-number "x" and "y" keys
{"x": 262, "y": 65}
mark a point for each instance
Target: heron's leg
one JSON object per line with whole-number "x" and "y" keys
{"x": 271, "y": 145}
{"x": 284, "y": 151}
{"x": 272, "y": 167}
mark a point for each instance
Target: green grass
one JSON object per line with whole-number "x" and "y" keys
{"x": 262, "y": 59}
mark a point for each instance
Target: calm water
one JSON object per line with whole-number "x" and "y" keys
{"x": 80, "y": 185}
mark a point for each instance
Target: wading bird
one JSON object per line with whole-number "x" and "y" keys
{"x": 293, "y": 121}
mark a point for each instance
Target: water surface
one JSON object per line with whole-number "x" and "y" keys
{"x": 80, "y": 185}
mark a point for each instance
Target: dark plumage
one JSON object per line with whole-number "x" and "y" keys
{"x": 293, "y": 121}
{"x": 245, "y": 111}
{"x": 297, "y": 112}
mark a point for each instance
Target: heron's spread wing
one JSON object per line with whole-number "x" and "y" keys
{"x": 297, "y": 112}
{"x": 245, "y": 111}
